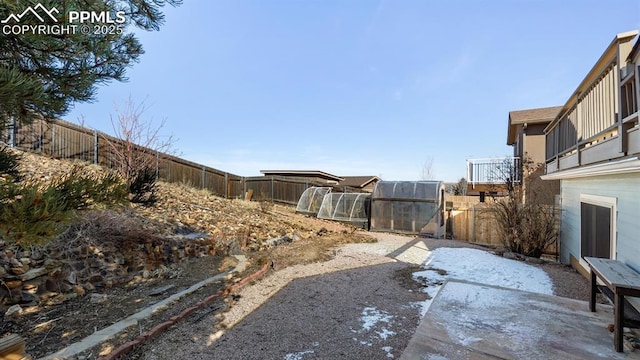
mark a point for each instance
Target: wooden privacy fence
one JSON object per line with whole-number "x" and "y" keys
{"x": 283, "y": 188}
{"x": 286, "y": 190}
{"x": 64, "y": 140}
{"x": 474, "y": 222}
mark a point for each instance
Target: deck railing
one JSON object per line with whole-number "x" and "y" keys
{"x": 494, "y": 170}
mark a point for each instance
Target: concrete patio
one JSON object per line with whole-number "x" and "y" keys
{"x": 476, "y": 321}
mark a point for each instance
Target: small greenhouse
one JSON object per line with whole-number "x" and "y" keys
{"x": 413, "y": 207}
{"x": 346, "y": 207}
{"x": 311, "y": 199}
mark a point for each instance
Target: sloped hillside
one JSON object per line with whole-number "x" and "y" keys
{"x": 121, "y": 254}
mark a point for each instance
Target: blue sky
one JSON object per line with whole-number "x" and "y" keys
{"x": 354, "y": 87}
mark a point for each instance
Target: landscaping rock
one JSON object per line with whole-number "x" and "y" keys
{"x": 98, "y": 298}
{"x": 533, "y": 260}
{"x": 12, "y": 284}
{"x": 33, "y": 273}
{"x": 79, "y": 290}
{"x": 13, "y": 311}
{"x": 513, "y": 256}
{"x": 27, "y": 298}
{"x": 55, "y": 300}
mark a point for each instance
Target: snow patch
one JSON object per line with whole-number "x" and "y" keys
{"x": 437, "y": 357}
{"x": 481, "y": 267}
{"x": 388, "y": 349}
{"x": 374, "y": 326}
{"x": 385, "y": 333}
{"x": 372, "y": 316}
{"x": 297, "y": 355}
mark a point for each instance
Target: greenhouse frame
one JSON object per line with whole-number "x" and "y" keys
{"x": 351, "y": 208}
{"x": 412, "y": 207}
{"x": 311, "y": 199}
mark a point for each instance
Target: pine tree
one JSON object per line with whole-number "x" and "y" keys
{"x": 44, "y": 74}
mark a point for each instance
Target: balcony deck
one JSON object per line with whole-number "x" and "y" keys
{"x": 494, "y": 171}
{"x": 616, "y": 143}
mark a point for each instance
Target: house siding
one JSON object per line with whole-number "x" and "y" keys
{"x": 534, "y": 148}
{"x": 624, "y": 188}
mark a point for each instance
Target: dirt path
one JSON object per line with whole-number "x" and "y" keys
{"x": 360, "y": 304}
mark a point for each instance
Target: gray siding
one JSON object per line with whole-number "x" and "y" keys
{"x": 626, "y": 189}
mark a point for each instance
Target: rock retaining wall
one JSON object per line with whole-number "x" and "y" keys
{"x": 57, "y": 273}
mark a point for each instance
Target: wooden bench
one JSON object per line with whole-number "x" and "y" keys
{"x": 622, "y": 281}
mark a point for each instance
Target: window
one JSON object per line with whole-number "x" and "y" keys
{"x": 629, "y": 99}
{"x": 597, "y": 226}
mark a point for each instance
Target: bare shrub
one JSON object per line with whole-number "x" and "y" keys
{"x": 135, "y": 153}
{"x": 525, "y": 228}
{"x": 128, "y": 239}
{"x": 266, "y": 206}
{"x": 527, "y": 224}
{"x": 427, "y": 169}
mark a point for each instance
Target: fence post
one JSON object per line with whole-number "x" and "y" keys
{"x": 473, "y": 223}
{"x": 40, "y": 140}
{"x": 204, "y": 176}
{"x": 95, "y": 147}
{"x": 244, "y": 188}
{"x": 53, "y": 139}
{"x": 226, "y": 185}
{"x": 271, "y": 188}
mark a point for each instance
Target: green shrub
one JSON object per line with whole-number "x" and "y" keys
{"x": 143, "y": 187}
{"x": 110, "y": 190}
{"x": 83, "y": 190}
{"x": 9, "y": 163}
{"x": 30, "y": 215}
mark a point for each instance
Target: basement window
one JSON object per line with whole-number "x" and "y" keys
{"x": 597, "y": 226}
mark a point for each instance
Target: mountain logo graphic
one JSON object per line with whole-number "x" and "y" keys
{"x": 39, "y": 8}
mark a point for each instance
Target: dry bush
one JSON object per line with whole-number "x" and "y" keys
{"x": 525, "y": 228}
{"x": 106, "y": 232}
{"x": 266, "y": 206}
{"x": 117, "y": 244}
{"x": 526, "y": 218}
{"x": 137, "y": 148}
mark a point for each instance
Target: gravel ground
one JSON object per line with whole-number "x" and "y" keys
{"x": 360, "y": 304}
